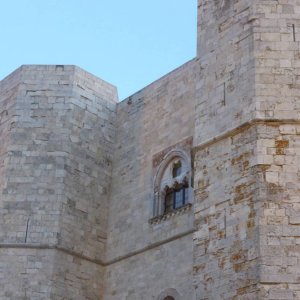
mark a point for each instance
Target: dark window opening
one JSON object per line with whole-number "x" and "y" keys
{"x": 176, "y": 197}
{"x": 177, "y": 169}
{"x": 169, "y": 298}
{"x": 169, "y": 201}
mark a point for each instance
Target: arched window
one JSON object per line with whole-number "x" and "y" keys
{"x": 176, "y": 196}
{"x": 169, "y": 294}
{"x": 172, "y": 186}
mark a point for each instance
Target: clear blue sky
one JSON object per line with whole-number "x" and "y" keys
{"x": 127, "y": 43}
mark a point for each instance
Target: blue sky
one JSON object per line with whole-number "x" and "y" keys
{"x": 127, "y": 43}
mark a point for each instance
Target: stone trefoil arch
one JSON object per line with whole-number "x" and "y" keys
{"x": 171, "y": 292}
{"x": 164, "y": 178}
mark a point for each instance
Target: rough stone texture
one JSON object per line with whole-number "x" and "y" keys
{"x": 276, "y": 36}
{"x": 40, "y": 274}
{"x": 226, "y": 241}
{"x": 258, "y": 138}
{"x": 76, "y": 278}
{"x": 279, "y": 230}
{"x": 77, "y": 171}
{"x": 225, "y": 89}
{"x": 148, "y": 278}
{"x": 58, "y": 139}
{"x": 137, "y": 142}
{"x": 170, "y": 102}
{"x": 26, "y": 273}
{"x": 8, "y": 94}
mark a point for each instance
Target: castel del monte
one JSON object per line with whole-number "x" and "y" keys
{"x": 187, "y": 190}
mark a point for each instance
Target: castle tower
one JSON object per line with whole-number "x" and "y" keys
{"x": 247, "y": 151}
{"x": 57, "y": 132}
{"x": 90, "y": 204}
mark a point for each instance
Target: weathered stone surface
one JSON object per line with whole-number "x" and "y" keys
{"x": 253, "y": 47}
{"x": 56, "y": 173}
{"x": 150, "y": 121}
{"x": 78, "y": 169}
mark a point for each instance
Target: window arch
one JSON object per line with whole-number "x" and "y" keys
{"x": 169, "y": 294}
{"x": 172, "y": 184}
{"x": 177, "y": 168}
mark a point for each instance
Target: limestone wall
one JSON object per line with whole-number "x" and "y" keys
{"x": 225, "y": 90}
{"x": 251, "y": 150}
{"x": 277, "y": 60}
{"x": 152, "y": 120}
{"x": 247, "y": 214}
{"x": 8, "y": 93}
{"x": 276, "y": 35}
{"x": 226, "y": 241}
{"x": 226, "y": 217}
{"x": 56, "y": 181}
{"x": 279, "y": 229}
{"x": 90, "y": 128}
{"x": 26, "y": 273}
{"x": 148, "y": 274}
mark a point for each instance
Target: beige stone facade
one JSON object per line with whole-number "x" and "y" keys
{"x": 187, "y": 190}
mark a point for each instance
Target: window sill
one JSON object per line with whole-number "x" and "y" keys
{"x": 179, "y": 211}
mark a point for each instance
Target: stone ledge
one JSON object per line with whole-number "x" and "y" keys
{"x": 240, "y": 128}
{"x": 98, "y": 262}
{"x": 37, "y": 246}
{"x": 179, "y": 211}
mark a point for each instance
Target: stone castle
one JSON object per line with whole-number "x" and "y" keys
{"x": 187, "y": 190}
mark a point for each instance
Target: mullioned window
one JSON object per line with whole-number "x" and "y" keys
{"x": 172, "y": 185}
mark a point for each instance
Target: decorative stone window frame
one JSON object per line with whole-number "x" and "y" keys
{"x": 163, "y": 179}
{"x": 170, "y": 293}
